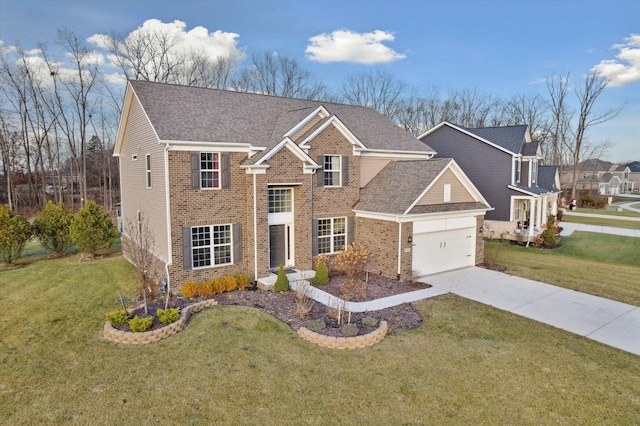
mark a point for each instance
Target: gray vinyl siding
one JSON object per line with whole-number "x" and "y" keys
{"x": 140, "y": 140}
{"x": 488, "y": 168}
{"x": 524, "y": 177}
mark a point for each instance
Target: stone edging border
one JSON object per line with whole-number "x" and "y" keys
{"x": 130, "y": 338}
{"x": 356, "y": 342}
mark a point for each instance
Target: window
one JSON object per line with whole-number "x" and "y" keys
{"x": 209, "y": 170}
{"x": 332, "y": 170}
{"x": 148, "y": 170}
{"x": 534, "y": 171}
{"x": 518, "y": 170}
{"x": 332, "y": 235}
{"x": 280, "y": 200}
{"x": 211, "y": 245}
{"x": 447, "y": 192}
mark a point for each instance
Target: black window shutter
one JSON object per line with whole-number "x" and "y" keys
{"x": 345, "y": 171}
{"x": 225, "y": 166}
{"x": 320, "y": 171}
{"x": 237, "y": 243}
{"x": 314, "y": 237}
{"x": 186, "y": 249}
{"x": 350, "y": 230}
{"x": 195, "y": 171}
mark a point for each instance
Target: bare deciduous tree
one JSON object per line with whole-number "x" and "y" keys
{"x": 381, "y": 91}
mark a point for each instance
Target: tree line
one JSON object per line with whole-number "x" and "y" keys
{"x": 59, "y": 116}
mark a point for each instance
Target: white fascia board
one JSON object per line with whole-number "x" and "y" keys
{"x": 453, "y": 126}
{"x": 404, "y": 218}
{"x": 295, "y": 149}
{"x": 335, "y": 121}
{"x": 255, "y": 170}
{"x": 531, "y": 194}
{"x": 320, "y": 111}
{"x": 206, "y": 146}
{"x": 402, "y": 155}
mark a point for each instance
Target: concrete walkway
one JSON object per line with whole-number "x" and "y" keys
{"x": 612, "y": 323}
{"x": 570, "y": 228}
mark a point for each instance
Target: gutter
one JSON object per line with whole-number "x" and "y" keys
{"x": 168, "y": 210}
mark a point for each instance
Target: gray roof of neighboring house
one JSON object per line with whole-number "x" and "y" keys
{"x": 510, "y": 138}
{"x": 634, "y": 166}
{"x": 594, "y": 164}
{"x": 547, "y": 177}
{"x": 184, "y": 113}
{"x": 400, "y": 183}
{"x": 605, "y": 178}
{"x": 530, "y": 149}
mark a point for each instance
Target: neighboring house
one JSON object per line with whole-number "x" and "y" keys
{"x": 602, "y": 176}
{"x": 238, "y": 182}
{"x": 634, "y": 175}
{"x": 504, "y": 164}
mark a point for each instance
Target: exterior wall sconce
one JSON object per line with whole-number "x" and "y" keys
{"x": 410, "y": 239}
{"x": 481, "y": 229}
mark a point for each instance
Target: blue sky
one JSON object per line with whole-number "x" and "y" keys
{"x": 501, "y": 48}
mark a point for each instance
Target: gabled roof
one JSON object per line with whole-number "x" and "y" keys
{"x": 605, "y": 178}
{"x": 511, "y": 138}
{"x": 531, "y": 149}
{"x": 634, "y": 166}
{"x": 196, "y": 114}
{"x": 399, "y": 185}
{"x": 594, "y": 165}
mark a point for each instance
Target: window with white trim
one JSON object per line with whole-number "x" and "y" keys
{"x": 518, "y": 170}
{"x": 209, "y": 170}
{"x": 280, "y": 200}
{"x": 534, "y": 171}
{"x": 211, "y": 245}
{"x": 148, "y": 171}
{"x": 332, "y": 167}
{"x": 332, "y": 235}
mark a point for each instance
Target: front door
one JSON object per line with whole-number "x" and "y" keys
{"x": 277, "y": 246}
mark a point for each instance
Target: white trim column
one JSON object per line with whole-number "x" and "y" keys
{"x": 532, "y": 212}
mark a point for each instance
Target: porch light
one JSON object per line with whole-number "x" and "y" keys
{"x": 481, "y": 229}
{"x": 410, "y": 239}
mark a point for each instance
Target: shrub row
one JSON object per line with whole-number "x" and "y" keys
{"x": 215, "y": 286}
{"x": 139, "y": 325}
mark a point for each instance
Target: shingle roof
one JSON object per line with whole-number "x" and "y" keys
{"x": 634, "y": 167}
{"x": 547, "y": 177}
{"x": 510, "y": 138}
{"x": 398, "y": 185}
{"x": 184, "y": 113}
{"x": 448, "y": 207}
{"x": 530, "y": 149}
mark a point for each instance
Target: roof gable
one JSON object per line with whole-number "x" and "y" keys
{"x": 468, "y": 132}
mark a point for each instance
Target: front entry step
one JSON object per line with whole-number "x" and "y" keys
{"x": 267, "y": 283}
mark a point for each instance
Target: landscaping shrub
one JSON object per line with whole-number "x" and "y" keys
{"x": 304, "y": 304}
{"x": 353, "y": 290}
{"x": 369, "y": 321}
{"x": 52, "y": 227}
{"x": 139, "y": 325}
{"x": 548, "y": 236}
{"x": 349, "y": 330}
{"x": 282, "y": 283}
{"x": 15, "y": 232}
{"x": 168, "y": 316}
{"x": 243, "y": 281}
{"x": 322, "y": 274}
{"x": 206, "y": 289}
{"x": 230, "y": 283}
{"x": 118, "y": 318}
{"x": 353, "y": 260}
{"x": 218, "y": 285}
{"x": 93, "y": 230}
{"x": 189, "y": 290}
{"x": 316, "y": 325}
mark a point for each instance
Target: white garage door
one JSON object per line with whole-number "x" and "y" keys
{"x": 435, "y": 252}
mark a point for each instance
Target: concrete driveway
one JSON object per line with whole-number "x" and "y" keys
{"x": 612, "y": 323}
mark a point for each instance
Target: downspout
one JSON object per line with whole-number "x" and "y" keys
{"x": 255, "y": 231}
{"x": 399, "y": 247}
{"x": 168, "y": 210}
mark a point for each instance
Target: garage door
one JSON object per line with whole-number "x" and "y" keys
{"x": 435, "y": 252}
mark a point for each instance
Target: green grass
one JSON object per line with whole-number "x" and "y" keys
{"x": 466, "y": 364}
{"x": 615, "y": 223}
{"x": 610, "y": 211}
{"x": 600, "y": 264}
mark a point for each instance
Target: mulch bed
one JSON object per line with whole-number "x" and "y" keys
{"x": 283, "y": 306}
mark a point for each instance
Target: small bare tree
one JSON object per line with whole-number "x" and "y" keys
{"x": 140, "y": 250}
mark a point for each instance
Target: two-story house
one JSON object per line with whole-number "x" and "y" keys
{"x": 232, "y": 181}
{"x": 505, "y": 165}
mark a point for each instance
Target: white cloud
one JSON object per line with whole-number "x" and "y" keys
{"x": 349, "y": 46}
{"x": 626, "y": 68}
{"x": 214, "y": 44}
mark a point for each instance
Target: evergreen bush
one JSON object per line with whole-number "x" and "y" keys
{"x": 93, "y": 230}
{"x": 118, "y": 318}
{"x": 282, "y": 283}
{"x": 322, "y": 274}
{"x": 549, "y": 237}
{"x": 168, "y": 316}
{"x": 52, "y": 227}
{"x": 15, "y": 232}
{"x": 139, "y": 325}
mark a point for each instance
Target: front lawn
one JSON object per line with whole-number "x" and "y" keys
{"x": 615, "y": 223}
{"x": 466, "y": 364}
{"x": 609, "y": 211}
{"x": 600, "y": 264}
